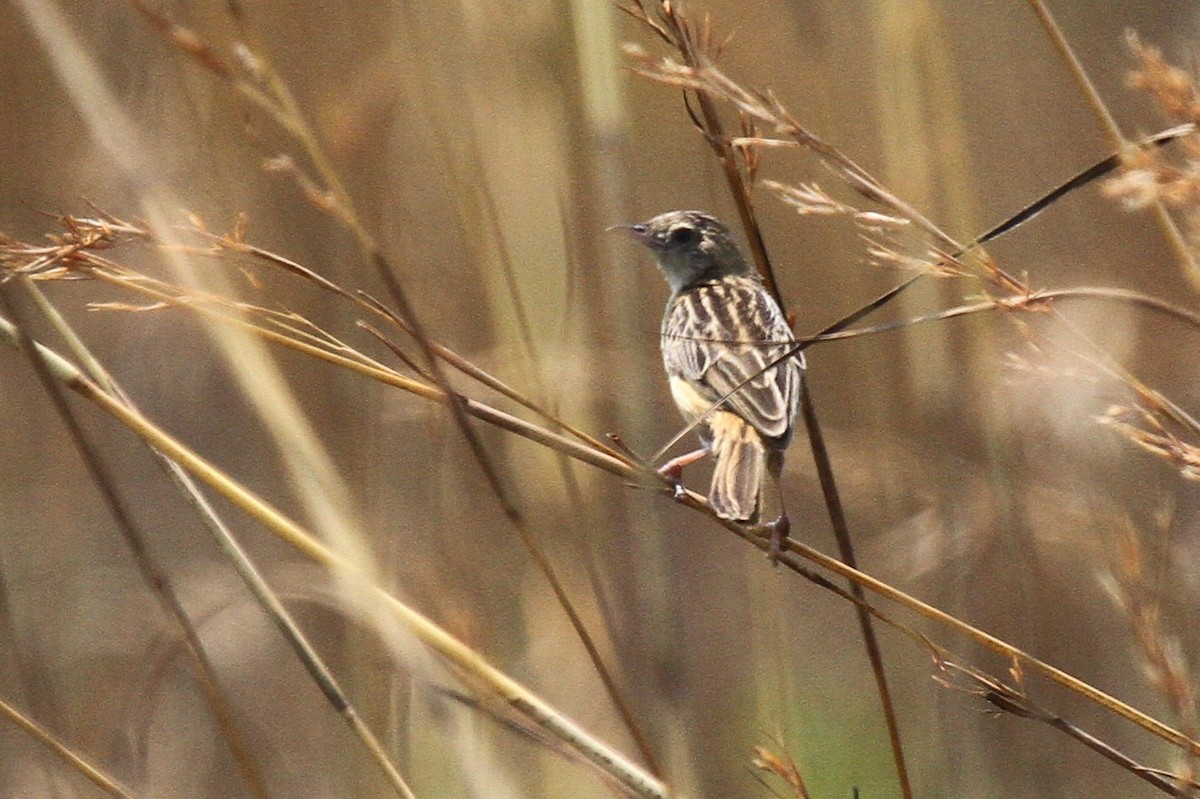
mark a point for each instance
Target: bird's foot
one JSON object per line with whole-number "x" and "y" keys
{"x": 673, "y": 474}
{"x": 778, "y": 531}
{"x": 672, "y": 471}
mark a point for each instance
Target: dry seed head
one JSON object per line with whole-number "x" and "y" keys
{"x": 1173, "y": 88}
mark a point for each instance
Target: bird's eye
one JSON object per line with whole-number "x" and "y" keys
{"x": 684, "y": 234}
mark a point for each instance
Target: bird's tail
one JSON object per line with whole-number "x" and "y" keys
{"x": 738, "y": 451}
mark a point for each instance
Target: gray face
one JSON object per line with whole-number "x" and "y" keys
{"x": 691, "y": 247}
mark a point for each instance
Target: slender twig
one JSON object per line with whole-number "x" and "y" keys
{"x": 756, "y": 537}
{"x": 1052, "y": 673}
{"x": 374, "y": 306}
{"x": 1083, "y": 178}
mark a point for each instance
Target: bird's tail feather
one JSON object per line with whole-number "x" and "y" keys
{"x": 739, "y": 456}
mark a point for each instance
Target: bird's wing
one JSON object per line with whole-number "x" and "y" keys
{"x": 722, "y": 334}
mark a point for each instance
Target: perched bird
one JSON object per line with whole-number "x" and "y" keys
{"x": 721, "y": 334}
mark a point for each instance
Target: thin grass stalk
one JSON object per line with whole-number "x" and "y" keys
{"x": 312, "y": 662}
{"x": 989, "y": 641}
{"x": 1166, "y": 224}
{"x": 616, "y": 463}
{"x": 236, "y": 244}
{"x": 767, "y": 109}
{"x": 76, "y": 761}
{"x": 621, "y": 469}
{"x": 84, "y": 82}
{"x": 485, "y": 378}
{"x": 1135, "y": 589}
{"x": 1082, "y": 178}
{"x": 148, "y": 567}
{"x": 682, "y": 34}
{"x": 841, "y": 532}
{"x": 321, "y": 675}
{"x": 694, "y": 54}
{"x": 457, "y": 406}
{"x": 1002, "y": 697}
{"x": 308, "y": 546}
{"x": 517, "y": 696}
{"x": 1016, "y": 703}
{"x": 492, "y": 213}
{"x": 761, "y": 541}
{"x": 520, "y": 698}
{"x": 289, "y": 114}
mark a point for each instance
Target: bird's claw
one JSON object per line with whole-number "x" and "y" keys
{"x": 673, "y": 474}
{"x": 778, "y": 531}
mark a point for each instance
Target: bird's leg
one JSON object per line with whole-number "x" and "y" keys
{"x": 778, "y": 531}
{"x": 673, "y": 469}
{"x": 779, "y": 528}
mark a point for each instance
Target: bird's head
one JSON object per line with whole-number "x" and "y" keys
{"x": 691, "y": 247}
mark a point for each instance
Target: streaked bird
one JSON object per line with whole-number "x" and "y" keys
{"x": 721, "y": 335}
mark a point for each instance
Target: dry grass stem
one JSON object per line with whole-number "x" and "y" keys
{"x": 456, "y": 652}
{"x": 1013, "y": 701}
{"x": 384, "y": 339}
{"x": 696, "y": 73}
{"x": 309, "y": 546}
{"x": 1146, "y": 179}
{"x": 1148, "y": 430}
{"x": 76, "y": 761}
{"x": 1151, "y": 177}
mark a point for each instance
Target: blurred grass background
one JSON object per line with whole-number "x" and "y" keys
{"x": 471, "y": 132}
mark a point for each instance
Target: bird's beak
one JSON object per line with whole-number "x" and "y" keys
{"x": 640, "y": 233}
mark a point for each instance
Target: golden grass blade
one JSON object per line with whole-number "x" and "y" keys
{"x": 43, "y": 736}
{"x": 147, "y": 564}
{"x": 456, "y": 652}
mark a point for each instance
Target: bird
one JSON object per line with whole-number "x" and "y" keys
{"x": 730, "y": 357}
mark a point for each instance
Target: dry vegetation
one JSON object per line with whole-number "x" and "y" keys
{"x": 329, "y": 411}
